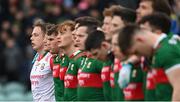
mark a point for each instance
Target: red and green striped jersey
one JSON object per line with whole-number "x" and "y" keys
{"x": 71, "y": 82}
{"x": 105, "y": 76}
{"x": 63, "y": 66}
{"x": 134, "y": 90}
{"x": 58, "y": 84}
{"x": 89, "y": 80}
{"x": 64, "y": 61}
{"x": 150, "y": 86}
{"x": 116, "y": 91}
{"x": 166, "y": 57}
{"x": 148, "y": 80}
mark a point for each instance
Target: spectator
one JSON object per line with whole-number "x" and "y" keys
{"x": 13, "y": 59}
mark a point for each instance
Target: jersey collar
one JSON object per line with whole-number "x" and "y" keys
{"x": 163, "y": 35}
{"x": 41, "y": 56}
{"x": 75, "y": 53}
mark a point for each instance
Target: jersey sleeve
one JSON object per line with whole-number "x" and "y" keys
{"x": 171, "y": 58}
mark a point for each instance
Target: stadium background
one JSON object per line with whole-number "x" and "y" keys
{"x": 16, "y": 19}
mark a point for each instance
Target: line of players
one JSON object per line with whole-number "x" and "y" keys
{"x": 82, "y": 60}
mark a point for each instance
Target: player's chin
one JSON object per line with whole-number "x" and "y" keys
{"x": 59, "y": 46}
{"x": 34, "y": 47}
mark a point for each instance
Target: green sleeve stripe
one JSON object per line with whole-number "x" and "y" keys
{"x": 177, "y": 66}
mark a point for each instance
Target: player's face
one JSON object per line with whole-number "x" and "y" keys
{"x": 95, "y": 53}
{"x": 80, "y": 37}
{"x": 74, "y": 36}
{"x": 59, "y": 39}
{"x": 115, "y": 48}
{"x": 140, "y": 46}
{"x": 106, "y": 24}
{"x": 98, "y": 54}
{"x": 116, "y": 24}
{"x": 46, "y": 43}
{"x": 102, "y": 52}
{"x": 53, "y": 40}
{"x": 66, "y": 39}
{"x": 145, "y": 8}
{"x": 37, "y": 38}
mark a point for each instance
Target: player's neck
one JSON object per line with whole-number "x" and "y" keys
{"x": 152, "y": 41}
{"x": 69, "y": 50}
{"x": 42, "y": 52}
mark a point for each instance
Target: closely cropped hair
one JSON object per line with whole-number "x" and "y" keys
{"x": 65, "y": 26}
{"x": 126, "y": 14}
{"x": 109, "y": 11}
{"x": 89, "y": 22}
{"x": 161, "y": 6}
{"x": 40, "y": 23}
{"x": 116, "y": 8}
{"x": 51, "y": 29}
{"x": 94, "y": 40}
{"x": 158, "y": 21}
{"x": 125, "y": 37}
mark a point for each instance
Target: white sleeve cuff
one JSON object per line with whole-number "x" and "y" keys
{"x": 177, "y": 66}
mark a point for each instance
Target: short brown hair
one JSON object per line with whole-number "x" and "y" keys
{"x": 109, "y": 11}
{"x": 40, "y": 23}
{"x": 87, "y": 20}
{"x": 90, "y": 22}
{"x": 126, "y": 14}
{"x": 158, "y": 21}
{"x": 65, "y": 26}
{"x": 51, "y": 29}
{"x": 116, "y": 7}
{"x": 125, "y": 37}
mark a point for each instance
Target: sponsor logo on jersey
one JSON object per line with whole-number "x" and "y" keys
{"x": 57, "y": 59}
{"x": 42, "y": 66}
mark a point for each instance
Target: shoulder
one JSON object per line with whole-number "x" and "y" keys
{"x": 79, "y": 55}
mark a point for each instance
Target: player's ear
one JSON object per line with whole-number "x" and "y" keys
{"x": 139, "y": 38}
{"x": 104, "y": 45}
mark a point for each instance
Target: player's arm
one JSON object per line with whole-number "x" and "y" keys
{"x": 173, "y": 67}
{"x": 125, "y": 73}
{"x": 174, "y": 78}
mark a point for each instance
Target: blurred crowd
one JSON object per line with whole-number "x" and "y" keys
{"x": 17, "y": 17}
